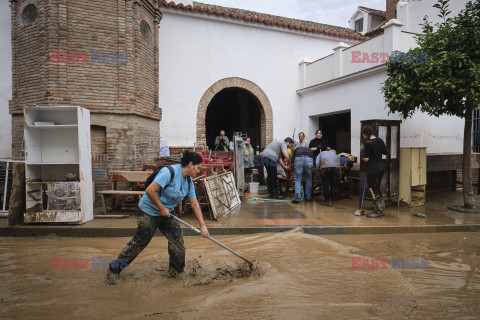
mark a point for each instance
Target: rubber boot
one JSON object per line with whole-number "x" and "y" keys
{"x": 380, "y": 206}
{"x": 374, "y": 215}
{"x": 112, "y": 278}
{"x": 376, "y": 212}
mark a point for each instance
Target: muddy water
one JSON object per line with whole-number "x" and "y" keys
{"x": 297, "y": 276}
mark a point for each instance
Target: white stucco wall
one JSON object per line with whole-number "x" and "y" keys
{"x": 411, "y": 13}
{"x": 195, "y": 53}
{"x": 364, "y": 99}
{"x": 362, "y": 95}
{"x": 5, "y": 80}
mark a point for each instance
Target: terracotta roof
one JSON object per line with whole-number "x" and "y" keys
{"x": 375, "y": 32}
{"x": 267, "y": 19}
{"x": 376, "y": 12}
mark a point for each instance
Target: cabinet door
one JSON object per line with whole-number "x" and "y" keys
{"x": 419, "y": 167}
{"x": 423, "y": 166}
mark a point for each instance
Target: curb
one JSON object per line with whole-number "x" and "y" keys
{"x": 66, "y": 231}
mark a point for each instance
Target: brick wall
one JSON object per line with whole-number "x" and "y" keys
{"x": 391, "y": 6}
{"x": 83, "y": 26}
{"x": 17, "y": 135}
{"x": 266, "y": 113}
{"x": 69, "y": 56}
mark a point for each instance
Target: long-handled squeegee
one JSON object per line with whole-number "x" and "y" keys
{"x": 210, "y": 238}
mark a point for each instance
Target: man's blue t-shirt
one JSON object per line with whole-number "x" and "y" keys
{"x": 170, "y": 196}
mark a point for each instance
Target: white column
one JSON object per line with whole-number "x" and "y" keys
{"x": 338, "y": 59}
{"x": 302, "y": 65}
{"x": 392, "y": 35}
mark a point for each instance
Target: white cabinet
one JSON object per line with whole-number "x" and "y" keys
{"x": 58, "y": 168}
{"x": 413, "y": 176}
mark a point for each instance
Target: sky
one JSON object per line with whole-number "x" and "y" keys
{"x": 333, "y": 12}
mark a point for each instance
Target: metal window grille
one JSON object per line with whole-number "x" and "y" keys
{"x": 476, "y": 131}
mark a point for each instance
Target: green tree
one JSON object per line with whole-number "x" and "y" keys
{"x": 441, "y": 76}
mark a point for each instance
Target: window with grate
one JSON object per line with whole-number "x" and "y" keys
{"x": 476, "y": 131}
{"x": 359, "y": 25}
{"x": 145, "y": 30}
{"x": 29, "y": 15}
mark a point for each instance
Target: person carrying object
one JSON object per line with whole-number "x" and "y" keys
{"x": 329, "y": 165}
{"x": 169, "y": 187}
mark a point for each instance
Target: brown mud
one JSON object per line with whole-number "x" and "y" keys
{"x": 296, "y": 276}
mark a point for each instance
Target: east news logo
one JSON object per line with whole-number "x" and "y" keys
{"x": 396, "y": 263}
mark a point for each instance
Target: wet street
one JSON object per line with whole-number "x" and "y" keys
{"x": 297, "y": 276}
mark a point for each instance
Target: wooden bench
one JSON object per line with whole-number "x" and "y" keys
{"x": 117, "y": 193}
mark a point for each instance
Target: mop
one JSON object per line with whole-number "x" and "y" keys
{"x": 361, "y": 212}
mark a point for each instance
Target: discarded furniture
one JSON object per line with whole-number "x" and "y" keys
{"x": 115, "y": 193}
{"x": 6, "y": 168}
{"x": 289, "y": 182}
{"x": 58, "y": 168}
{"x": 413, "y": 176}
{"x": 222, "y": 193}
{"x": 136, "y": 177}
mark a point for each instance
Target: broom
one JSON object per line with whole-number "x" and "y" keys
{"x": 361, "y": 212}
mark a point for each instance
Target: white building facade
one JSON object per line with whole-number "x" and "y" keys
{"x": 349, "y": 81}
{"x": 296, "y": 72}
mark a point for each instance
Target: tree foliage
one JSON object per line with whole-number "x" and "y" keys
{"x": 449, "y": 81}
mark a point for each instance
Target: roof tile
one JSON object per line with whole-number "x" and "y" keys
{"x": 246, "y": 15}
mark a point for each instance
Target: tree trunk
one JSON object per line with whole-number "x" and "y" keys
{"x": 468, "y": 200}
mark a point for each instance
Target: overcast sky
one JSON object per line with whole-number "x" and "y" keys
{"x": 334, "y": 12}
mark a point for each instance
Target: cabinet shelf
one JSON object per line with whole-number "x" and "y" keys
{"x": 58, "y": 169}
{"x": 56, "y": 126}
{"x": 50, "y": 181}
{"x": 49, "y": 163}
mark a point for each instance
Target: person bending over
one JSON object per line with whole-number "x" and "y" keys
{"x": 270, "y": 159}
{"x": 329, "y": 165}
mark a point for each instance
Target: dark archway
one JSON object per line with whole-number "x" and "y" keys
{"x": 233, "y": 110}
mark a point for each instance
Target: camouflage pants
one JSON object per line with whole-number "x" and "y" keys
{"x": 147, "y": 225}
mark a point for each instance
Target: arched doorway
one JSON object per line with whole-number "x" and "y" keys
{"x": 233, "y": 110}
{"x": 233, "y": 104}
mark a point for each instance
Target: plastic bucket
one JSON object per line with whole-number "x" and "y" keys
{"x": 254, "y": 187}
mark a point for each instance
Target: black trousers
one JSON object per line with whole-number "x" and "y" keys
{"x": 272, "y": 180}
{"x": 330, "y": 178}
{"x": 147, "y": 225}
{"x": 375, "y": 172}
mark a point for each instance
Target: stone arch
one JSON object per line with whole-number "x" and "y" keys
{"x": 266, "y": 113}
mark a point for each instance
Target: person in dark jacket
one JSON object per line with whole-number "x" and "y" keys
{"x": 374, "y": 148}
{"x": 319, "y": 143}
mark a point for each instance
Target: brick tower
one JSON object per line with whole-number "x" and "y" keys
{"x": 101, "y": 55}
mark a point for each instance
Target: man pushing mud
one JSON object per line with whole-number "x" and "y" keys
{"x": 170, "y": 186}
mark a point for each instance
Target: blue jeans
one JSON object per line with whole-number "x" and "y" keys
{"x": 303, "y": 165}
